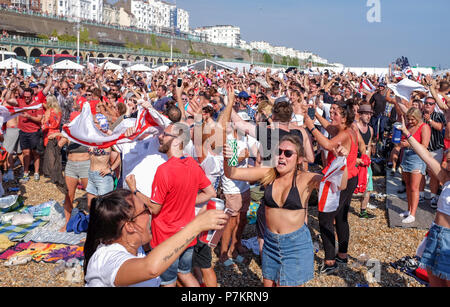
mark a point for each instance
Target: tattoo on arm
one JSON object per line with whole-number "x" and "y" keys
{"x": 176, "y": 250}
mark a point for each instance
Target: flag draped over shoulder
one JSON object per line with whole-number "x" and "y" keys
{"x": 7, "y": 112}
{"x": 82, "y": 129}
{"x": 329, "y": 192}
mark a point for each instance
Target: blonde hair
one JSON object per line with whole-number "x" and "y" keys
{"x": 52, "y": 103}
{"x": 265, "y": 106}
{"x": 272, "y": 174}
{"x": 415, "y": 113}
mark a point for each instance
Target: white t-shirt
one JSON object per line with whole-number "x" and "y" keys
{"x": 444, "y": 200}
{"x": 141, "y": 159}
{"x": 106, "y": 262}
{"x": 236, "y": 186}
{"x": 213, "y": 168}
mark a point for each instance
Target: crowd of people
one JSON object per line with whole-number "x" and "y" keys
{"x": 217, "y": 136}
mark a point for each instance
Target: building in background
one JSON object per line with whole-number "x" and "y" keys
{"x": 225, "y": 35}
{"x": 91, "y": 10}
{"x": 33, "y": 5}
{"x": 49, "y": 7}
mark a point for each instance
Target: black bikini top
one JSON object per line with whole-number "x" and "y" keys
{"x": 293, "y": 201}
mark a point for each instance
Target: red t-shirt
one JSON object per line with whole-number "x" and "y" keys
{"x": 94, "y": 104}
{"x": 81, "y": 101}
{"x": 39, "y": 98}
{"x": 25, "y": 124}
{"x": 175, "y": 188}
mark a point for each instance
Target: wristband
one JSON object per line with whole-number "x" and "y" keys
{"x": 311, "y": 131}
{"x": 409, "y": 135}
{"x": 136, "y": 191}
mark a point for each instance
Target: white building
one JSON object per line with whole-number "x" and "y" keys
{"x": 263, "y": 47}
{"x": 49, "y": 7}
{"x": 226, "y": 35}
{"x": 158, "y": 16}
{"x": 82, "y": 9}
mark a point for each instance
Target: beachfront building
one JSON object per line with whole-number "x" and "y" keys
{"x": 33, "y": 5}
{"x": 91, "y": 10}
{"x": 49, "y": 7}
{"x": 158, "y": 16}
{"x": 225, "y": 35}
{"x": 263, "y": 47}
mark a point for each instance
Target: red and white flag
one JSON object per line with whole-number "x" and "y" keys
{"x": 329, "y": 192}
{"x": 8, "y": 112}
{"x": 83, "y": 130}
{"x": 367, "y": 85}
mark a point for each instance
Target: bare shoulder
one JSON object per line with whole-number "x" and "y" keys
{"x": 309, "y": 179}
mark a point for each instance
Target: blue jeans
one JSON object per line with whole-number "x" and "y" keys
{"x": 182, "y": 265}
{"x": 378, "y": 124}
{"x": 288, "y": 259}
{"x": 98, "y": 185}
{"x": 436, "y": 256}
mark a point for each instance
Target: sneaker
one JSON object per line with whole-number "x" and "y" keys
{"x": 341, "y": 261}
{"x": 405, "y": 214}
{"x": 366, "y": 215}
{"x": 24, "y": 179}
{"x": 325, "y": 269}
{"x": 371, "y": 207}
{"x": 434, "y": 203}
{"x": 392, "y": 171}
{"x": 421, "y": 199}
{"x": 36, "y": 177}
{"x": 409, "y": 219}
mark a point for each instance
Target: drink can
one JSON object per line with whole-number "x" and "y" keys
{"x": 212, "y": 237}
{"x": 397, "y": 135}
{"x": 233, "y": 161}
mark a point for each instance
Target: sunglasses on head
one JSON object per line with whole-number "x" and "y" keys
{"x": 145, "y": 211}
{"x": 287, "y": 153}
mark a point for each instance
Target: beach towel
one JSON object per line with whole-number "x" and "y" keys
{"x": 410, "y": 266}
{"x": 16, "y": 233}
{"x": 363, "y": 174}
{"x": 45, "y": 252}
{"x": 5, "y": 243}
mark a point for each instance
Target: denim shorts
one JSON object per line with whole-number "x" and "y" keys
{"x": 77, "y": 169}
{"x": 182, "y": 265}
{"x": 436, "y": 256}
{"x": 288, "y": 259}
{"x": 98, "y": 185}
{"x": 411, "y": 162}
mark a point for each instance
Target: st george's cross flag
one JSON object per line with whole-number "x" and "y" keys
{"x": 8, "y": 112}
{"x": 329, "y": 192}
{"x": 367, "y": 85}
{"x": 83, "y": 130}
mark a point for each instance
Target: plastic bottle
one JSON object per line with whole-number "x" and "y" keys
{"x": 59, "y": 268}
{"x": 316, "y": 247}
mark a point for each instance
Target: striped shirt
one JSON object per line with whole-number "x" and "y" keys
{"x": 437, "y": 137}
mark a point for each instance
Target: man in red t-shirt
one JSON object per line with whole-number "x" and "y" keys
{"x": 29, "y": 134}
{"x": 179, "y": 184}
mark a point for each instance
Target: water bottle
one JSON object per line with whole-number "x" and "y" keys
{"x": 316, "y": 247}
{"x": 59, "y": 268}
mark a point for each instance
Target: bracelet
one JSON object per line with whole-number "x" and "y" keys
{"x": 136, "y": 191}
{"x": 409, "y": 135}
{"x": 311, "y": 131}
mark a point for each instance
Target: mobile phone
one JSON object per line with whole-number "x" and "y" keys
{"x": 217, "y": 235}
{"x": 312, "y": 113}
{"x": 179, "y": 82}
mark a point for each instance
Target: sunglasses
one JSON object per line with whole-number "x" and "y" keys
{"x": 145, "y": 211}
{"x": 168, "y": 134}
{"x": 429, "y": 103}
{"x": 287, "y": 153}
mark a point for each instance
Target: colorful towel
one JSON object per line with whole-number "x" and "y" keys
{"x": 45, "y": 252}
{"x": 5, "y": 243}
{"x": 16, "y": 233}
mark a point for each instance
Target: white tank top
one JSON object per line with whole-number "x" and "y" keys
{"x": 444, "y": 199}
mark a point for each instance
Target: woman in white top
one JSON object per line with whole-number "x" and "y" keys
{"x": 119, "y": 226}
{"x": 436, "y": 256}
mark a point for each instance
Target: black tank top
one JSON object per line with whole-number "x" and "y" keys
{"x": 366, "y": 136}
{"x": 293, "y": 201}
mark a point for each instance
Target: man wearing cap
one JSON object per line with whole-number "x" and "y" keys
{"x": 365, "y": 114}
{"x": 243, "y": 100}
{"x": 378, "y": 102}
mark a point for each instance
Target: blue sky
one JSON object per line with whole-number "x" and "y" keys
{"x": 338, "y": 30}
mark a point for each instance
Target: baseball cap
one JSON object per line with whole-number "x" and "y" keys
{"x": 382, "y": 85}
{"x": 33, "y": 85}
{"x": 244, "y": 95}
{"x": 77, "y": 87}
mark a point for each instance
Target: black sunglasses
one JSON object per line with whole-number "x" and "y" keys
{"x": 145, "y": 211}
{"x": 429, "y": 103}
{"x": 287, "y": 153}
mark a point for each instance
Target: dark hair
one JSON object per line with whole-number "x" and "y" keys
{"x": 97, "y": 92}
{"x": 283, "y": 111}
{"x": 173, "y": 113}
{"x": 29, "y": 90}
{"x": 163, "y": 87}
{"x": 107, "y": 215}
{"x": 347, "y": 112}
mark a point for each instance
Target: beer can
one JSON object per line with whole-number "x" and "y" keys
{"x": 397, "y": 135}
{"x": 212, "y": 237}
{"x": 234, "y": 160}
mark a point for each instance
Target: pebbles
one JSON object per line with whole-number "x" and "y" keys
{"x": 380, "y": 244}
